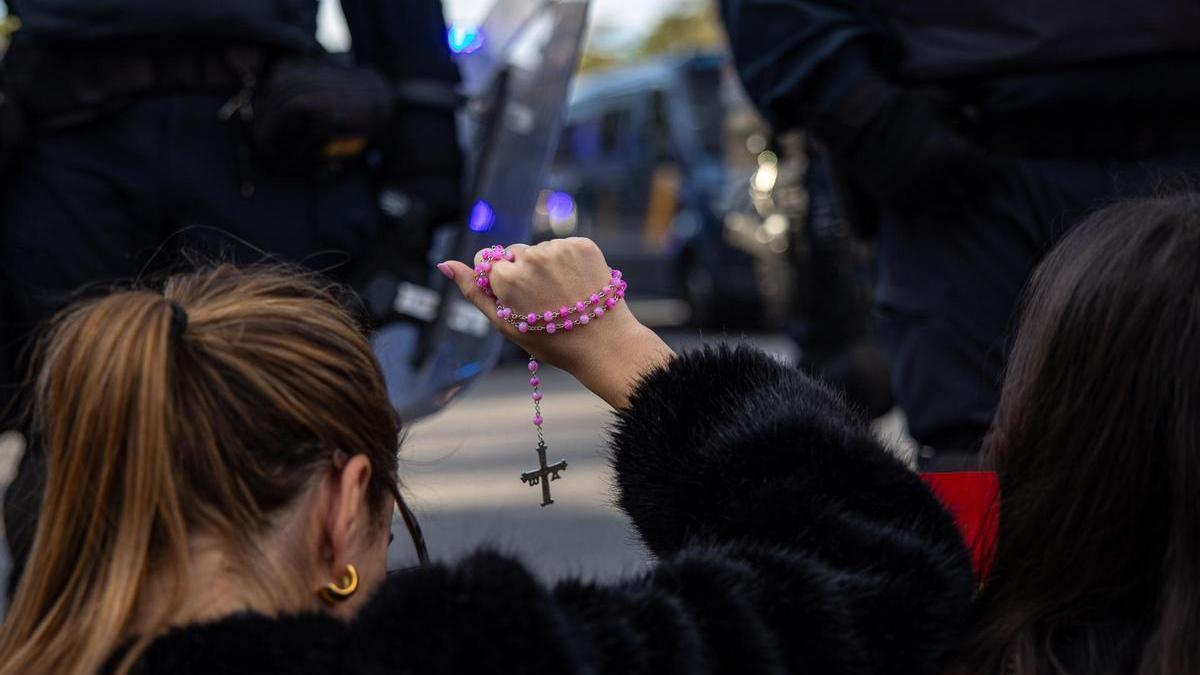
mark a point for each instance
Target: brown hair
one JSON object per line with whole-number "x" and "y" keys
{"x": 205, "y": 408}
{"x": 1097, "y": 449}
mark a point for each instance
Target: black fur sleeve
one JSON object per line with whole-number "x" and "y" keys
{"x": 727, "y": 447}
{"x": 788, "y": 541}
{"x": 727, "y": 444}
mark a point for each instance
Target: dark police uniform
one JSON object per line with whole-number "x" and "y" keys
{"x": 131, "y": 142}
{"x": 972, "y": 134}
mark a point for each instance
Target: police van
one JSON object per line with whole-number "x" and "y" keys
{"x": 646, "y": 163}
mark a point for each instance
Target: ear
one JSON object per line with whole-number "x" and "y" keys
{"x": 348, "y": 515}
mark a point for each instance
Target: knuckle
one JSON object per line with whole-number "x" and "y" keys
{"x": 584, "y": 245}
{"x": 501, "y": 273}
{"x": 536, "y": 254}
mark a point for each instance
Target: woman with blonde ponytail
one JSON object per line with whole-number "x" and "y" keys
{"x": 159, "y": 413}
{"x": 222, "y": 465}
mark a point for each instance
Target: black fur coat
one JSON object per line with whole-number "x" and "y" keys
{"x": 787, "y": 540}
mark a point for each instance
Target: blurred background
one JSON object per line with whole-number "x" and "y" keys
{"x": 714, "y": 221}
{"x": 656, "y": 162}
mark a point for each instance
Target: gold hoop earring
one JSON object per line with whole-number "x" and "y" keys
{"x": 334, "y": 593}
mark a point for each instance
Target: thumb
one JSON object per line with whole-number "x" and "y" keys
{"x": 464, "y": 278}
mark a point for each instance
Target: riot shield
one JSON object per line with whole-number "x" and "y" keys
{"x": 500, "y": 30}
{"x": 517, "y": 86}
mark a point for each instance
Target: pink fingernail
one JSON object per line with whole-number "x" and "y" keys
{"x": 445, "y": 269}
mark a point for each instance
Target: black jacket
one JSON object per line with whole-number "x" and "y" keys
{"x": 787, "y": 540}
{"x": 283, "y": 23}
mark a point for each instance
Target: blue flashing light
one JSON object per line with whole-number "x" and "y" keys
{"x": 560, "y": 206}
{"x": 468, "y": 371}
{"x": 483, "y": 217}
{"x": 464, "y": 38}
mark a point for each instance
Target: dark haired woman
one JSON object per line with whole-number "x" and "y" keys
{"x": 1096, "y": 446}
{"x": 222, "y": 468}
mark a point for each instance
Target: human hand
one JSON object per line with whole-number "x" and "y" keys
{"x": 609, "y": 354}
{"x": 909, "y": 153}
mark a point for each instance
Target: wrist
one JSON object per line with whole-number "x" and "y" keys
{"x": 631, "y": 352}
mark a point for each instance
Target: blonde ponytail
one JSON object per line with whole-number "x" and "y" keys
{"x": 274, "y": 376}
{"x": 104, "y": 410}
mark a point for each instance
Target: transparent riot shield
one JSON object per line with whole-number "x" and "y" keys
{"x": 486, "y": 51}
{"x": 516, "y": 83}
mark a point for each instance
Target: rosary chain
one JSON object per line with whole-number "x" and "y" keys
{"x": 594, "y": 307}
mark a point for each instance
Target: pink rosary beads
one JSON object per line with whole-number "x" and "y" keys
{"x": 567, "y": 318}
{"x": 592, "y": 307}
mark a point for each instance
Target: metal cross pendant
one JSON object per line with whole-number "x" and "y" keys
{"x": 544, "y": 474}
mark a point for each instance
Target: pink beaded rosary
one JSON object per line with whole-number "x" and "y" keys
{"x": 550, "y": 322}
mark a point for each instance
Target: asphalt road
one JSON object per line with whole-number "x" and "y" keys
{"x": 461, "y": 469}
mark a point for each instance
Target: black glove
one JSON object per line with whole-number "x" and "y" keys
{"x": 900, "y": 146}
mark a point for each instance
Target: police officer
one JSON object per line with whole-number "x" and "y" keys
{"x": 221, "y": 126}
{"x": 833, "y": 327}
{"x": 970, "y": 136}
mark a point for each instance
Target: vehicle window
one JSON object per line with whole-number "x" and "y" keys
{"x": 565, "y": 152}
{"x": 661, "y": 139}
{"x": 705, "y": 91}
{"x": 610, "y": 131}
{"x": 583, "y": 142}
{"x": 590, "y": 140}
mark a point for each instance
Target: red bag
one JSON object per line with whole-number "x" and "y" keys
{"x": 972, "y": 498}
